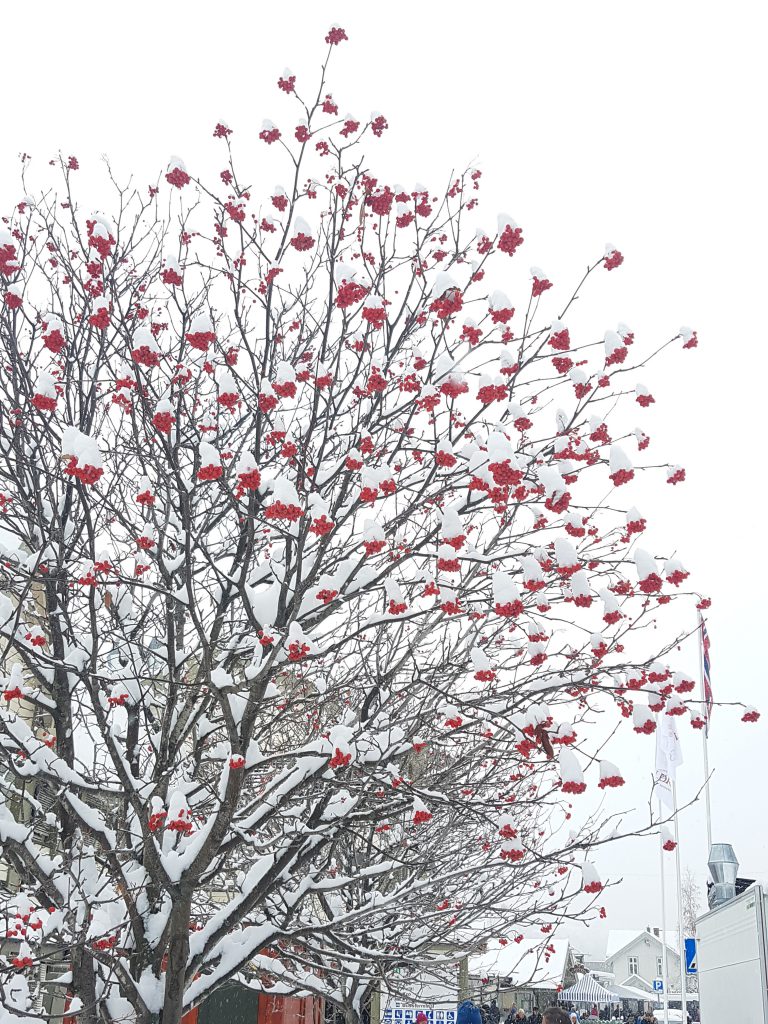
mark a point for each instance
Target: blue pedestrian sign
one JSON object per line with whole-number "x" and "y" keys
{"x": 658, "y": 984}
{"x": 691, "y": 965}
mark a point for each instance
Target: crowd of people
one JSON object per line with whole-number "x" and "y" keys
{"x": 613, "y": 1015}
{"x": 489, "y": 1013}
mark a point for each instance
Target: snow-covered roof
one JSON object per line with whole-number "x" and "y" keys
{"x": 639, "y": 984}
{"x": 534, "y": 963}
{"x": 630, "y": 991}
{"x": 619, "y": 939}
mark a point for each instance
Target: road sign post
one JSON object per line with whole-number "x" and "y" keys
{"x": 691, "y": 966}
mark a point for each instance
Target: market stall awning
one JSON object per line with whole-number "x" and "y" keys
{"x": 587, "y": 990}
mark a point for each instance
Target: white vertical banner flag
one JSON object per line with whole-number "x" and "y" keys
{"x": 669, "y": 754}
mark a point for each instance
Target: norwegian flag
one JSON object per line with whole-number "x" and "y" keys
{"x": 709, "y": 699}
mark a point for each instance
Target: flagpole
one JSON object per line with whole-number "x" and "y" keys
{"x": 664, "y": 969}
{"x": 705, "y": 734}
{"x": 680, "y": 936}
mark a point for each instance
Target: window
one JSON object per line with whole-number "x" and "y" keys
{"x": 659, "y": 965}
{"x": 634, "y": 966}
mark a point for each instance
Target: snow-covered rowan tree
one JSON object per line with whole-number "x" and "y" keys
{"x": 315, "y": 569}
{"x": 690, "y": 893}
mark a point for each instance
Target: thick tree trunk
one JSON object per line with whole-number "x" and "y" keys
{"x": 84, "y": 986}
{"x": 176, "y": 968}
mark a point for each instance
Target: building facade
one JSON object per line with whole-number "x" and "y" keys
{"x": 636, "y": 959}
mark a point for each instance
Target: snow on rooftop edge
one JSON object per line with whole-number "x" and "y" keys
{"x": 530, "y": 962}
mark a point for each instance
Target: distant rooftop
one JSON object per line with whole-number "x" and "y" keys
{"x": 532, "y": 962}
{"x": 621, "y": 937}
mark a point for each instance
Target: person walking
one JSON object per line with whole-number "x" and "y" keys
{"x": 468, "y": 1013}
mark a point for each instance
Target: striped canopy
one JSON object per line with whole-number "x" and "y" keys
{"x": 587, "y": 990}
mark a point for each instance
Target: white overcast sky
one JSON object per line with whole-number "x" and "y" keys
{"x": 641, "y": 124}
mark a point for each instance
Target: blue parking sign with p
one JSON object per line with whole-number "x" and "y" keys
{"x": 690, "y": 957}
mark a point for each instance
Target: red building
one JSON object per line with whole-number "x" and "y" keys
{"x": 235, "y": 1004}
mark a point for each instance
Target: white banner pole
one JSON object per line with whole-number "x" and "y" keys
{"x": 681, "y": 936}
{"x": 664, "y": 965}
{"x": 705, "y": 734}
